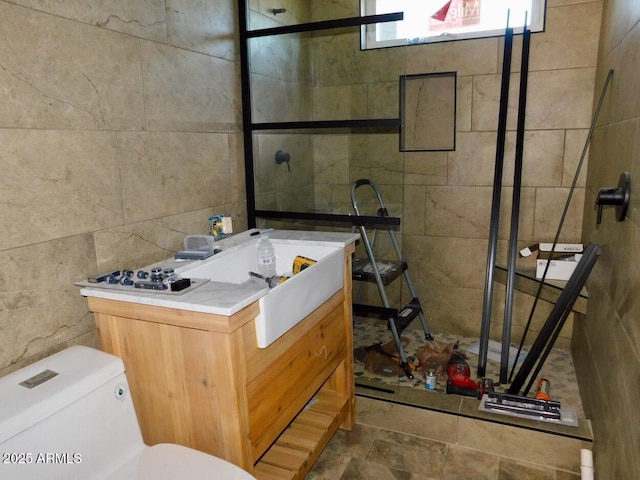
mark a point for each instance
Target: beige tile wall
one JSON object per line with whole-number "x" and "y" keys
{"x": 606, "y": 343}
{"x": 119, "y": 134}
{"x": 280, "y": 92}
{"x": 110, "y": 112}
{"x": 444, "y": 198}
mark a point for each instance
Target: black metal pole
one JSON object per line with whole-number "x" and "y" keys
{"x": 594, "y": 120}
{"x": 515, "y": 208}
{"x": 549, "y": 346}
{"x": 247, "y": 134}
{"x": 495, "y": 204}
{"x": 558, "y": 315}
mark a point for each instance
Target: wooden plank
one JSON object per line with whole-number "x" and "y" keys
{"x": 314, "y": 418}
{"x": 260, "y": 358}
{"x": 183, "y": 385}
{"x": 287, "y": 457}
{"x": 174, "y": 316}
{"x": 264, "y": 471}
{"x": 342, "y": 381}
{"x": 303, "y": 436}
{"x": 276, "y": 397}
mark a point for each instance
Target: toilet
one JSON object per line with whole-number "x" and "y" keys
{"x": 70, "y": 416}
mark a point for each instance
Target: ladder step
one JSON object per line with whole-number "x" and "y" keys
{"x": 373, "y": 311}
{"x": 362, "y": 270}
{"x": 402, "y": 317}
{"x": 407, "y": 313}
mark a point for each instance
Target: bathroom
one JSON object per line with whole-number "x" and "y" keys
{"x": 112, "y": 114}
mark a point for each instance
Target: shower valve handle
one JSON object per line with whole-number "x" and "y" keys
{"x": 618, "y": 197}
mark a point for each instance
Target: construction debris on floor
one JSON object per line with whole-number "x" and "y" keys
{"x": 449, "y": 359}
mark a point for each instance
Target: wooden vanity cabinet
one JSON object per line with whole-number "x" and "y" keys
{"x": 200, "y": 380}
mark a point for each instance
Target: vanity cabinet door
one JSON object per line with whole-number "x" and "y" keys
{"x": 287, "y": 381}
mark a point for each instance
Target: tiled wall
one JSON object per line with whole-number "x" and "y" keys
{"x": 445, "y": 197}
{"x": 280, "y": 92}
{"x": 606, "y": 345}
{"x": 452, "y": 193}
{"x": 119, "y": 134}
{"x": 111, "y": 113}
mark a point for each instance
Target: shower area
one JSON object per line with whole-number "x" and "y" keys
{"x": 322, "y": 112}
{"x": 319, "y": 113}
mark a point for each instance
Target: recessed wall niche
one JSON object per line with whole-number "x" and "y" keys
{"x": 428, "y": 112}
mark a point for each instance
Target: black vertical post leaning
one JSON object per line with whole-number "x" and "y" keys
{"x": 515, "y": 208}
{"x": 495, "y": 202}
{"x": 554, "y": 323}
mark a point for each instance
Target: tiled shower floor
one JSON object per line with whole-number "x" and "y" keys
{"x": 558, "y": 368}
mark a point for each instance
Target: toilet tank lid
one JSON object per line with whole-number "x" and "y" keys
{"x": 79, "y": 369}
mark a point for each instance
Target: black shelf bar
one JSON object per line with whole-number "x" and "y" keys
{"x": 373, "y": 221}
{"x": 384, "y": 123}
{"x": 326, "y": 25}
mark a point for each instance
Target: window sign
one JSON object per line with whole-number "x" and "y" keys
{"x": 428, "y": 21}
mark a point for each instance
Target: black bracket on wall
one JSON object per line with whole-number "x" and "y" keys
{"x": 618, "y": 197}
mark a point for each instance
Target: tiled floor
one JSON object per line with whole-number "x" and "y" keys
{"x": 373, "y": 453}
{"x": 404, "y": 432}
{"x": 558, "y": 368}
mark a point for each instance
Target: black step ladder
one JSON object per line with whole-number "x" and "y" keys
{"x": 382, "y": 273}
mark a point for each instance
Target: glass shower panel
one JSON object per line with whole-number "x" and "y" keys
{"x": 280, "y": 78}
{"x": 296, "y": 12}
{"x": 284, "y": 172}
{"x": 325, "y": 113}
{"x": 301, "y": 82}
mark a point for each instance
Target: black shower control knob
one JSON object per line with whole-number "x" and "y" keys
{"x": 618, "y": 197}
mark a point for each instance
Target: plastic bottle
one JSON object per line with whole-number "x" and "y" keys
{"x": 431, "y": 380}
{"x": 266, "y": 257}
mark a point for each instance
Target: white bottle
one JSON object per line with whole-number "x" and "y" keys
{"x": 266, "y": 257}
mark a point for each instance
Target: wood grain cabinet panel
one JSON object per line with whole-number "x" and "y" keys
{"x": 200, "y": 380}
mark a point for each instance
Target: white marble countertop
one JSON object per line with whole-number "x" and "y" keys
{"x": 215, "y": 297}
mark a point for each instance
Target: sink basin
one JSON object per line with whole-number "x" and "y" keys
{"x": 282, "y": 307}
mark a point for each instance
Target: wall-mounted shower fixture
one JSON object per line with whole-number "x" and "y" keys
{"x": 276, "y": 11}
{"x": 283, "y": 157}
{"x": 618, "y": 197}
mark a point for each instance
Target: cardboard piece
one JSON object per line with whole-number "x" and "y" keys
{"x": 560, "y": 269}
{"x": 564, "y": 259}
{"x": 545, "y": 248}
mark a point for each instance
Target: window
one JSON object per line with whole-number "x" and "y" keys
{"x": 428, "y": 21}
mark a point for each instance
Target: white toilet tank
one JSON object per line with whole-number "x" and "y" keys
{"x": 70, "y": 416}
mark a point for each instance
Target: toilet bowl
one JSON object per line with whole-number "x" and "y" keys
{"x": 70, "y": 416}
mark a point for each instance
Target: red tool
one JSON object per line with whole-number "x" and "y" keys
{"x": 460, "y": 382}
